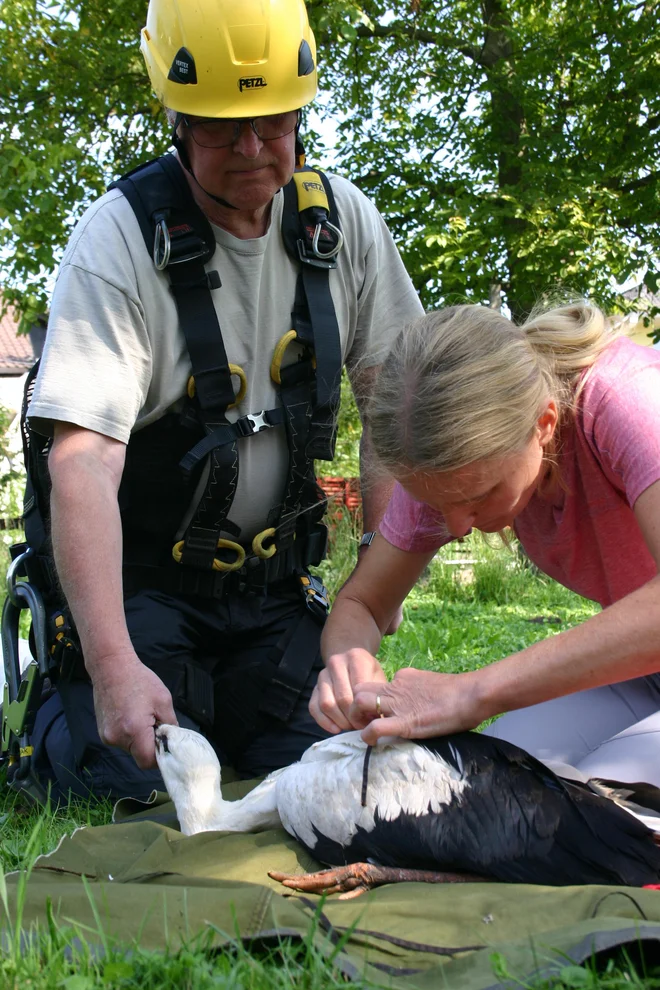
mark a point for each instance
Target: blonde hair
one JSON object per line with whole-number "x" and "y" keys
{"x": 464, "y": 383}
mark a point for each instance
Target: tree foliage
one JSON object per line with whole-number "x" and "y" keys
{"x": 510, "y": 144}
{"x": 76, "y": 111}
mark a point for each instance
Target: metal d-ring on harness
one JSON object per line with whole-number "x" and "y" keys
{"x": 22, "y": 692}
{"x": 331, "y": 252}
{"x": 218, "y": 564}
{"x": 162, "y": 245}
{"x": 234, "y": 370}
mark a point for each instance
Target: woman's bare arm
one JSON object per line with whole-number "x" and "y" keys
{"x": 618, "y": 644}
{"x": 359, "y": 618}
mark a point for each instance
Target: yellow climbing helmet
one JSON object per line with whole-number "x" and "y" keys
{"x": 230, "y": 58}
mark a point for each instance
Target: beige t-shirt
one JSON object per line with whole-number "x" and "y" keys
{"x": 115, "y": 360}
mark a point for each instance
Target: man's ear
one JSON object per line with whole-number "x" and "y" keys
{"x": 546, "y": 424}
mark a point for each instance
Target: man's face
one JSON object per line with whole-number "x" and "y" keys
{"x": 246, "y": 173}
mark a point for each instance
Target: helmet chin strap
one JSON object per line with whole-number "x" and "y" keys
{"x": 185, "y": 160}
{"x": 300, "y": 149}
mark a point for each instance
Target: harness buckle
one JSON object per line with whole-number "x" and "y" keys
{"x": 253, "y": 423}
{"x": 309, "y": 256}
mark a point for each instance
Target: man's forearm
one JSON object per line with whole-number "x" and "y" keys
{"x": 129, "y": 699}
{"x": 87, "y": 546}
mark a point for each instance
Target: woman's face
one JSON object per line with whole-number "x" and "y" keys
{"x": 488, "y": 494}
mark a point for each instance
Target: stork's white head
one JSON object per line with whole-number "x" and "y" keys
{"x": 191, "y": 772}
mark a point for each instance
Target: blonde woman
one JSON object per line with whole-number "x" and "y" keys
{"x": 552, "y": 428}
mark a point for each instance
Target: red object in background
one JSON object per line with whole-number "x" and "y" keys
{"x": 342, "y": 492}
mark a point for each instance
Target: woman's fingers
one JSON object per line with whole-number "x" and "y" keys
{"x": 374, "y": 710}
{"x": 332, "y": 700}
{"x": 417, "y": 704}
{"x": 322, "y": 703}
{"x": 385, "y": 727}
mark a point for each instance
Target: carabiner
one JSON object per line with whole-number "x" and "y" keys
{"x": 12, "y": 575}
{"x": 315, "y": 241}
{"x": 162, "y": 255}
{"x": 218, "y": 565}
{"x": 234, "y": 369}
{"x": 258, "y": 544}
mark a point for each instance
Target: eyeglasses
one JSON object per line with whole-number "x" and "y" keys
{"x": 217, "y": 132}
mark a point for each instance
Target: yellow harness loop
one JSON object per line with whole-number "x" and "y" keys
{"x": 258, "y": 544}
{"x": 218, "y": 565}
{"x": 234, "y": 369}
{"x": 278, "y": 354}
{"x": 280, "y": 348}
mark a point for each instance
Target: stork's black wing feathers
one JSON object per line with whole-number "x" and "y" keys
{"x": 515, "y": 821}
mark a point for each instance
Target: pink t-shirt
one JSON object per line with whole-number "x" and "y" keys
{"x": 587, "y": 536}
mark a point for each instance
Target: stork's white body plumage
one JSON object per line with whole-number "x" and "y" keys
{"x": 325, "y": 791}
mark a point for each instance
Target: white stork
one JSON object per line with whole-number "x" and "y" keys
{"x": 467, "y": 805}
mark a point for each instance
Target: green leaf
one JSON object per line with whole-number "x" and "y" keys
{"x": 114, "y": 972}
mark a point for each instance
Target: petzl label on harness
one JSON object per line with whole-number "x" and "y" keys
{"x": 310, "y": 191}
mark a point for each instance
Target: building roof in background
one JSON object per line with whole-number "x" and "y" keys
{"x": 17, "y": 353}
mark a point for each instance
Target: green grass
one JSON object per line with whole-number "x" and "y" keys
{"x": 460, "y": 616}
{"x": 26, "y": 833}
{"x": 456, "y": 634}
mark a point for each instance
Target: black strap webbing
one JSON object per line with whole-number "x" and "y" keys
{"x": 314, "y": 315}
{"x": 293, "y": 670}
{"x": 199, "y": 323}
{"x": 227, "y": 433}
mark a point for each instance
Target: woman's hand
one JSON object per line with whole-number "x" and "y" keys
{"x": 332, "y": 701}
{"x": 417, "y": 704}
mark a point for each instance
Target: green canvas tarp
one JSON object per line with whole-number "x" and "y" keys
{"x": 143, "y": 882}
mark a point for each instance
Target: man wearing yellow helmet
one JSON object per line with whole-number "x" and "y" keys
{"x": 194, "y": 413}
{"x": 241, "y": 73}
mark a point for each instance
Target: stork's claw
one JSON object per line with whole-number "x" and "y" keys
{"x": 352, "y": 880}
{"x": 348, "y": 881}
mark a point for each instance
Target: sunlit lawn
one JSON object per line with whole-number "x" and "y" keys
{"x": 460, "y": 616}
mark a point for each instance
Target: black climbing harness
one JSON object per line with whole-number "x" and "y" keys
{"x": 208, "y": 548}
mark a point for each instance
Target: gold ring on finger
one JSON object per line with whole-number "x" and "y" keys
{"x": 378, "y": 708}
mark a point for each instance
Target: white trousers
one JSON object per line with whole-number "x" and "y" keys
{"x": 609, "y": 732}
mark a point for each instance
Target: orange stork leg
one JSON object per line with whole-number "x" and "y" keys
{"x": 352, "y": 880}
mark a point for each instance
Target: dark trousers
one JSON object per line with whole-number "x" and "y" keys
{"x": 218, "y": 658}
